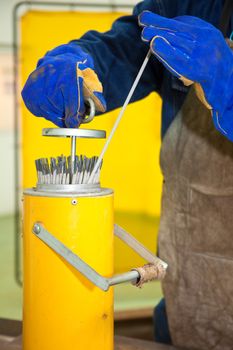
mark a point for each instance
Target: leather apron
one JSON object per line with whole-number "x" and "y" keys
{"x": 196, "y": 230}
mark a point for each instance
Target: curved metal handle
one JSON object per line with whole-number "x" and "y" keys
{"x": 87, "y": 271}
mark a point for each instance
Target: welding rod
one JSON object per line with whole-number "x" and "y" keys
{"x": 73, "y": 153}
{"x": 128, "y": 98}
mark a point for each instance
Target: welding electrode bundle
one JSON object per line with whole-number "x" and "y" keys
{"x": 61, "y": 170}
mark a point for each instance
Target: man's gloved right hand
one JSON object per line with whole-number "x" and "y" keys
{"x": 63, "y": 80}
{"x": 196, "y": 52}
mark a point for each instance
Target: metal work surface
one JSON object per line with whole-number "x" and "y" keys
{"x": 10, "y": 339}
{"x": 81, "y": 133}
{"x": 121, "y": 343}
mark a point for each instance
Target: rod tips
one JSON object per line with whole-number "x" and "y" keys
{"x": 64, "y": 170}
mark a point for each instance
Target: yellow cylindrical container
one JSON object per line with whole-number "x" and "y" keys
{"x": 62, "y": 309}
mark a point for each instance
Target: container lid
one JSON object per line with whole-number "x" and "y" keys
{"x": 80, "y": 133}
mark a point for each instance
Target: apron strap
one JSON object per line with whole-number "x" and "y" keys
{"x": 226, "y": 16}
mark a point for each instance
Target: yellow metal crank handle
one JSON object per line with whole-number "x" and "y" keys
{"x": 156, "y": 268}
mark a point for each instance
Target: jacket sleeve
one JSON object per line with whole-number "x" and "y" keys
{"x": 118, "y": 55}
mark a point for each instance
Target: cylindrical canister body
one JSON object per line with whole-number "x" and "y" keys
{"x": 62, "y": 310}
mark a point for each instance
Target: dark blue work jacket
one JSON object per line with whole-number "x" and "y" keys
{"x": 119, "y": 53}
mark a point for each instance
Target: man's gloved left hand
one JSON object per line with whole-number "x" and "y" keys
{"x": 195, "y": 52}
{"x": 58, "y": 87}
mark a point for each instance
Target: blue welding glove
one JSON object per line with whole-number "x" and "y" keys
{"x": 58, "y": 87}
{"x": 195, "y": 52}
